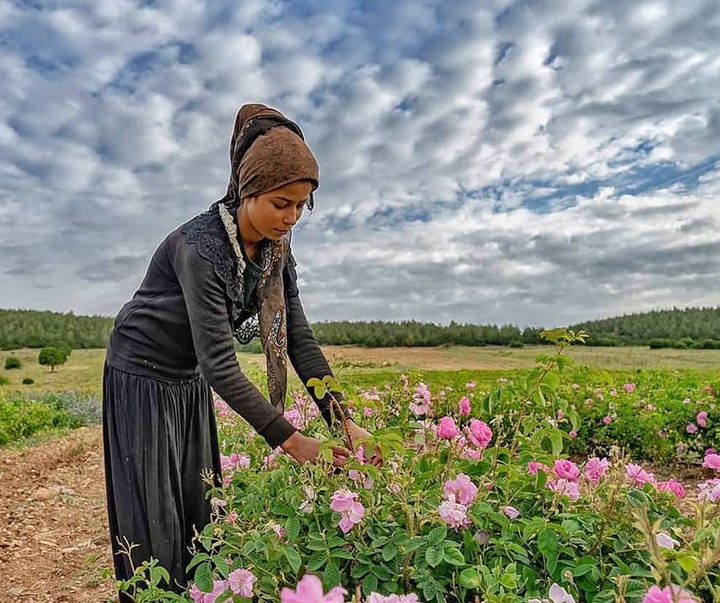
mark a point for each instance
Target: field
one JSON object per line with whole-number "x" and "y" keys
{"x": 83, "y": 371}
{"x": 51, "y": 487}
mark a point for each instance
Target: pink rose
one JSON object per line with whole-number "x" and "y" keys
{"x": 565, "y": 469}
{"x": 447, "y": 430}
{"x": 702, "y": 418}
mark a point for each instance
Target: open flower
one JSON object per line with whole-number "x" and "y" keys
{"x": 241, "y": 582}
{"x": 447, "y": 430}
{"x": 345, "y": 502}
{"x": 712, "y": 461}
{"x": 309, "y": 590}
{"x": 595, "y": 468}
{"x": 665, "y": 541}
{"x": 461, "y": 488}
{"x": 669, "y": 594}
{"x": 479, "y": 433}
{"x": 453, "y": 513}
{"x": 198, "y": 596}
{"x": 464, "y": 406}
{"x": 565, "y": 469}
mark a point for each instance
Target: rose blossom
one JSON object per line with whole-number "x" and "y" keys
{"x": 595, "y": 468}
{"x": 309, "y": 590}
{"x": 712, "y": 461}
{"x": 565, "y": 469}
{"x": 464, "y": 408}
{"x": 447, "y": 429}
{"x": 672, "y": 486}
{"x": 702, "y": 418}
{"x": 453, "y": 513}
{"x": 669, "y": 594}
{"x": 241, "y": 582}
{"x": 479, "y": 433}
{"x": 511, "y": 512}
{"x": 461, "y": 488}
{"x": 665, "y": 541}
{"x": 637, "y": 476}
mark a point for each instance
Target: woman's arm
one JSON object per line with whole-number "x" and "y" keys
{"x": 213, "y": 341}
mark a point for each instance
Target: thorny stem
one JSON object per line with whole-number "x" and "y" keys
{"x": 336, "y": 408}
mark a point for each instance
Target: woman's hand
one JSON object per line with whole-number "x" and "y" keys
{"x": 358, "y": 434}
{"x": 305, "y": 449}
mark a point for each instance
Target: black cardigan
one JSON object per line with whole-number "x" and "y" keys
{"x": 180, "y": 323}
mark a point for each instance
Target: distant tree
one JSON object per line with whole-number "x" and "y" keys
{"x": 51, "y": 357}
{"x": 11, "y": 362}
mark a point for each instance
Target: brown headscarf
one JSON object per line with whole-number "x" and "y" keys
{"x": 268, "y": 151}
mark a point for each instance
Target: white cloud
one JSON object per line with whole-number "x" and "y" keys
{"x": 534, "y": 163}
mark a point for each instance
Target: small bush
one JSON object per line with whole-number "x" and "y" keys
{"x": 11, "y": 362}
{"x": 4, "y": 381}
{"x": 52, "y": 357}
{"x": 28, "y": 381}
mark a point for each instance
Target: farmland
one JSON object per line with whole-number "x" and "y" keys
{"x": 54, "y": 489}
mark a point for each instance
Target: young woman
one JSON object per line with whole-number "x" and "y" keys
{"x": 226, "y": 273}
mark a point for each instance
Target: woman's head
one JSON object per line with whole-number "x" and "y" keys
{"x": 267, "y": 151}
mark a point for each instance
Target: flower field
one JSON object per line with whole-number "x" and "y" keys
{"x": 536, "y": 489}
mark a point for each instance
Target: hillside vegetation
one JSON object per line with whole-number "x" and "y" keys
{"x": 676, "y": 328}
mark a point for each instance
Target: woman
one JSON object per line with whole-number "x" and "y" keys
{"x": 173, "y": 342}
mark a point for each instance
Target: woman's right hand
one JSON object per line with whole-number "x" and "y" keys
{"x": 305, "y": 449}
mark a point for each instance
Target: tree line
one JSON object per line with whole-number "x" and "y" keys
{"x": 687, "y": 328}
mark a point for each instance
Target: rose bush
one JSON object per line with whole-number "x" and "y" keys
{"x": 475, "y": 501}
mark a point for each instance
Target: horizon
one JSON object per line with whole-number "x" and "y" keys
{"x": 483, "y": 162}
{"x": 511, "y": 324}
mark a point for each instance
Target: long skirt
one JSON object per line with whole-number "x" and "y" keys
{"x": 159, "y": 437}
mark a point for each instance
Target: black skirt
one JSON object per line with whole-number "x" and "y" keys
{"x": 159, "y": 437}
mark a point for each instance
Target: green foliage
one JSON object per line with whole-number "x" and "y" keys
{"x": 51, "y": 357}
{"x": 12, "y": 362}
{"x": 21, "y": 417}
{"x": 676, "y": 328}
{"x": 520, "y": 534}
{"x": 28, "y": 381}
{"x": 4, "y": 380}
{"x": 34, "y": 329}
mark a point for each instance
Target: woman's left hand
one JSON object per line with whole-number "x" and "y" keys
{"x": 358, "y": 434}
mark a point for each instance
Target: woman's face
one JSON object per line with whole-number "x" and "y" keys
{"x": 273, "y": 214}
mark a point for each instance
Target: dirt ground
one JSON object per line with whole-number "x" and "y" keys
{"x": 54, "y": 543}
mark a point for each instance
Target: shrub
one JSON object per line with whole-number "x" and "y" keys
{"x": 460, "y": 510}
{"x": 4, "y": 380}
{"x": 12, "y": 362}
{"x": 28, "y": 381}
{"x": 21, "y": 416}
{"x": 51, "y": 357}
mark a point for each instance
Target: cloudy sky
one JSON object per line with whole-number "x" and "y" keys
{"x": 487, "y": 161}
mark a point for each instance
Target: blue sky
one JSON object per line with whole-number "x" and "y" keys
{"x": 534, "y": 163}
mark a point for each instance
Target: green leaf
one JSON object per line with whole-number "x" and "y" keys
{"x": 434, "y": 556}
{"x": 548, "y": 547}
{"x": 581, "y": 570}
{"x": 470, "y": 578}
{"x": 688, "y": 562}
{"x": 389, "y": 552}
{"x": 204, "y": 577}
{"x": 221, "y": 565}
{"x": 429, "y": 590}
{"x": 316, "y": 561}
{"x": 292, "y": 528}
{"x": 453, "y": 556}
{"x": 331, "y": 575}
{"x": 436, "y": 535}
{"x": 370, "y": 583}
{"x": 341, "y": 554}
{"x": 294, "y": 558}
{"x": 380, "y": 572}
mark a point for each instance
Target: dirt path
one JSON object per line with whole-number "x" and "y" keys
{"x": 54, "y": 544}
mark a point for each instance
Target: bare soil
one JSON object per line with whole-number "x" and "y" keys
{"x": 54, "y": 542}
